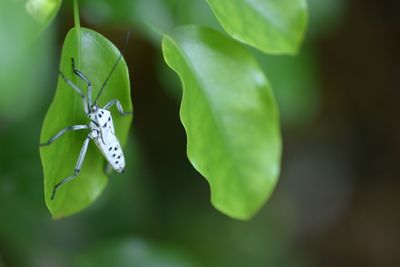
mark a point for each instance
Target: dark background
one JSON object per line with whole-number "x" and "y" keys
{"x": 338, "y": 198}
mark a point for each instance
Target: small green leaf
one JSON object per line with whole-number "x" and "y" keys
{"x": 27, "y": 19}
{"x": 273, "y": 26}
{"x": 24, "y": 57}
{"x": 42, "y": 11}
{"x": 95, "y": 59}
{"x": 230, "y": 117}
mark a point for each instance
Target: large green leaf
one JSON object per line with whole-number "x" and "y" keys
{"x": 230, "y": 117}
{"x": 95, "y": 58}
{"x": 273, "y": 26}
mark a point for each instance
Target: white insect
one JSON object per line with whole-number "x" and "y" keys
{"x": 101, "y": 127}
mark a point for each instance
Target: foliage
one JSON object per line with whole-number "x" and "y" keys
{"x": 228, "y": 108}
{"x": 95, "y": 57}
{"x": 275, "y": 27}
{"x": 230, "y": 117}
{"x": 21, "y": 48}
{"x": 158, "y": 199}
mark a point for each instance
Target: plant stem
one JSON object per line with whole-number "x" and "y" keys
{"x": 76, "y": 14}
{"x": 78, "y": 35}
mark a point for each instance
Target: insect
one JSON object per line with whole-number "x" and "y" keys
{"x": 100, "y": 126}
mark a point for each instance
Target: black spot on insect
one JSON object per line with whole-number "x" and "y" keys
{"x": 118, "y": 157}
{"x": 109, "y": 118}
{"x": 113, "y": 155}
{"x": 102, "y": 112}
{"x": 109, "y": 149}
{"x": 115, "y": 148}
{"x": 105, "y": 125}
{"x": 116, "y": 162}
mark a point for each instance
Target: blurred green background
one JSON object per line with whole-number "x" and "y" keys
{"x": 337, "y": 201}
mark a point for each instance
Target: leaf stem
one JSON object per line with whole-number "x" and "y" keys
{"x": 77, "y": 24}
{"x": 76, "y": 15}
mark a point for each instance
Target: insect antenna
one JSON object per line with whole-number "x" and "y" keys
{"x": 114, "y": 66}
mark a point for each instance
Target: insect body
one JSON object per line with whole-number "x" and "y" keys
{"x": 101, "y": 128}
{"x": 102, "y": 133}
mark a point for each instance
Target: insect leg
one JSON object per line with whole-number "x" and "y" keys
{"x": 63, "y": 131}
{"x": 77, "y": 168}
{"x": 76, "y": 88}
{"x": 119, "y": 107}
{"x": 84, "y": 78}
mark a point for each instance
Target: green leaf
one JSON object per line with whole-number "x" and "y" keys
{"x": 42, "y": 11}
{"x": 230, "y": 117}
{"x": 272, "y": 26}
{"x": 95, "y": 59}
{"x": 27, "y": 18}
{"x": 24, "y": 57}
